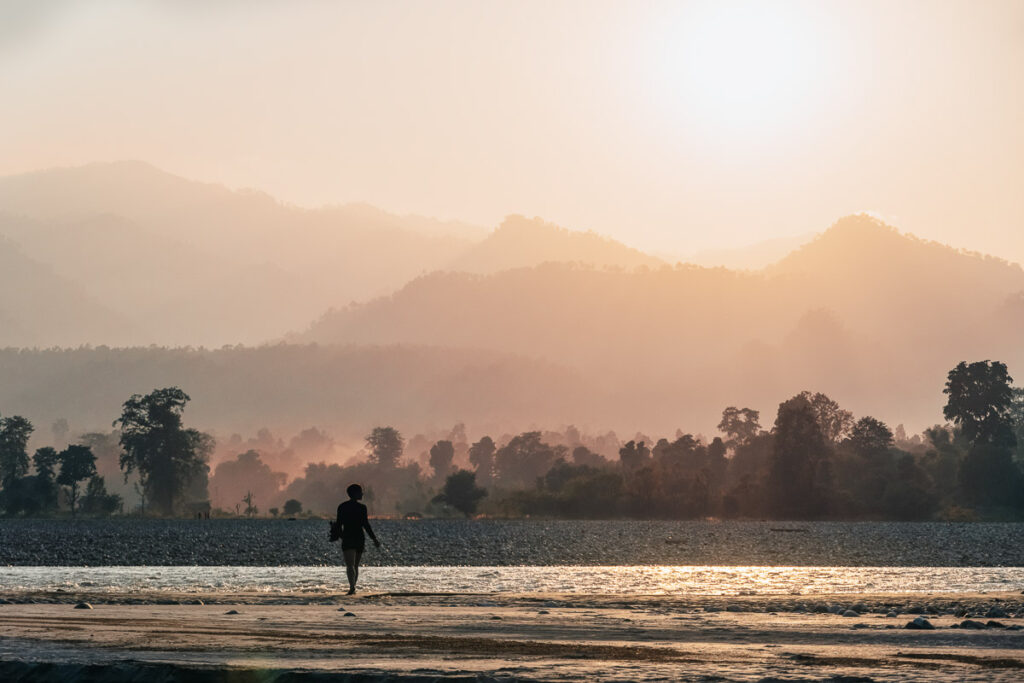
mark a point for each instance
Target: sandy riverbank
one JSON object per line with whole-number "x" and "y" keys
{"x": 506, "y": 637}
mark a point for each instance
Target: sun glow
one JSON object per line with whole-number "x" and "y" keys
{"x": 753, "y": 67}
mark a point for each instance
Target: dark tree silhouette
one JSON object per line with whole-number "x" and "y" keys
{"x": 634, "y": 455}
{"x": 1017, "y": 417}
{"x": 386, "y": 446}
{"x": 870, "y": 438}
{"x": 45, "y": 460}
{"x": 910, "y": 495}
{"x": 716, "y": 452}
{"x": 833, "y": 420}
{"x": 77, "y": 463}
{"x": 980, "y": 402}
{"x": 581, "y": 455}
{"x": 97, "y": 501}
{"x": 441, "y": 455}
{"x": 292, "y": 507}
{"x": 740, "y": 425}
{"x": 523, "y": 459}
{"x": 988, "y": 476}
{"x": 798, "y": 454}
{"x": 481, "y": 456}
{"x": 461, "y": 492}
{"x": 166, "y": 454}
{"x": 14, "y": 434}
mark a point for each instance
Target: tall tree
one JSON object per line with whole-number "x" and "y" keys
{"x": 386, "y": 446}
{"x": 14, "y": 434}
{"x": 741, "y": 425}
{"x": 441, "y": 455}
{"x": 1017, "y": 416}
{"x": 481, "y": 456}
{"x": 45, "y": 461}
{"x": 77, "y": 463}
{"x": 980, "y": 402}
{"x": 794, "y": 478}
{"x": 634, "y": 455}
{"x": 833, "y": 421}
{"x": 166, "y": 454}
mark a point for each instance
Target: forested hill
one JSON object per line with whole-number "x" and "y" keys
{"x": 127, "y": 255}
{"x": 863, "y": 312}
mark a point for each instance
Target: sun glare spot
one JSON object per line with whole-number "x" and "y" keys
{"x": 736, "y": 67}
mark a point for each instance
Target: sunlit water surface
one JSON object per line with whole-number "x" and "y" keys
{"x": 592, "y": 580}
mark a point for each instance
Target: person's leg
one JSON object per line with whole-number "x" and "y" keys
{"x": 351, "y": 568}
{"x": 358, "y": 558}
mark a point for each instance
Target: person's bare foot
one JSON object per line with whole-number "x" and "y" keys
{"x": 351, "y": 591}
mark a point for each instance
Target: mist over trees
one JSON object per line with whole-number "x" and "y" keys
{"x": 816, "y": 461}
{"x": 567, "y": 327}
{"x": 812, "y": 319}
{"x": 571, "y": 343}
{"x": 287, "y": 387}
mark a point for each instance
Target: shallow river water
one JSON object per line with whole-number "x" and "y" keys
{"x": 513, "y": 556}
{"x": 589, "y": 580}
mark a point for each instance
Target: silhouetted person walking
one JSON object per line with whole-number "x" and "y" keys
{"x": 352, "y": 519}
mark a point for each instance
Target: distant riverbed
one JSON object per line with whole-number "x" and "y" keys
{"x": 497, "y": 543}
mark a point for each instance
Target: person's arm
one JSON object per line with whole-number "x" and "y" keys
{"x": 336, "y": 527}
{"x": 369, "y": 530}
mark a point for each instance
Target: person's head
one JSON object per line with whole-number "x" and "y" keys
{"x": 355, "y": 491}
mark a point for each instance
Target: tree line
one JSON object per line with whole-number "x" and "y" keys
{"x": 815, "y": 461}
{"x": 166, "y": 458}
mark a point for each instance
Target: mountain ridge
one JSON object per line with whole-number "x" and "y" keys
{"x": 519, "y": 242}
{"x": 846, "y": 314}
{"x": 229, "y": 266}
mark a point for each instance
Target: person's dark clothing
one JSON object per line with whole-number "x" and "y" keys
{"x": 353, "y": 519}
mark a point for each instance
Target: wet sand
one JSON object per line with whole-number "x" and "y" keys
{"x": 530, "y": 637}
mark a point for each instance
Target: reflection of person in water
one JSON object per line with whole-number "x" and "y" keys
{"x": 352, "y": 519}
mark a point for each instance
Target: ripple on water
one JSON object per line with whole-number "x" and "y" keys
{"x": 591, "y": 580}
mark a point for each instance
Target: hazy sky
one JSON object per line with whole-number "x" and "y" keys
{"x": 672, "y": 126}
